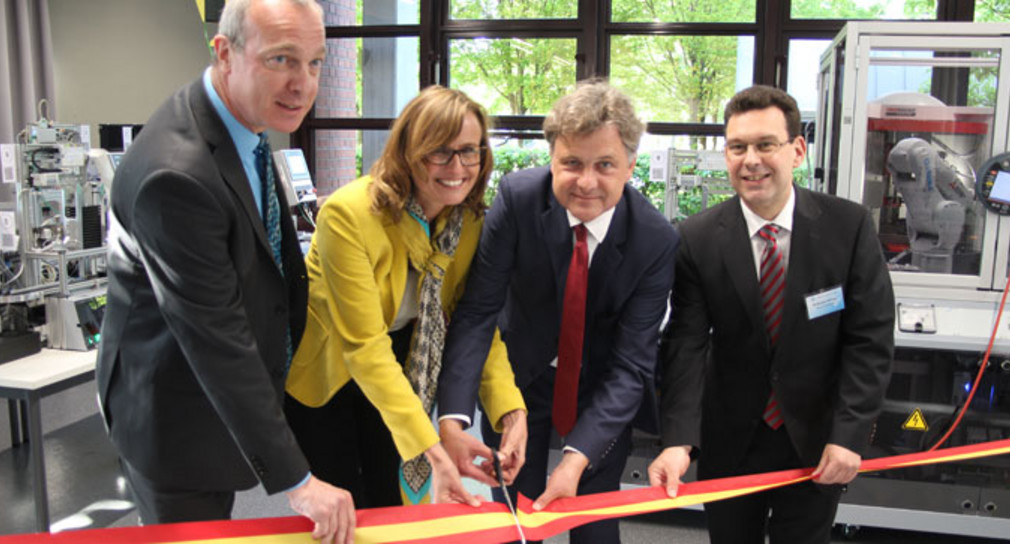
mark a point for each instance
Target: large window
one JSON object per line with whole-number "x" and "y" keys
{"x": 513, "y": 76}
{"x": 680, "y": 60}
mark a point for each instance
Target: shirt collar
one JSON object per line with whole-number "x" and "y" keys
{"x": 598, "y": 227}
{"x": 245, "y": 139}
{"x": 784, "y": 219}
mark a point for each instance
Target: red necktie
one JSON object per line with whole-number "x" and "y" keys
{"x": 773, "y": 286}
{"x": 573, "y": 321}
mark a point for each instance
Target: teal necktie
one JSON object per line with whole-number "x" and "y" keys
{"x": 272, "y": 207}
{"x": 271, "y": 213}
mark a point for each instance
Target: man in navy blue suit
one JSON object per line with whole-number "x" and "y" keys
{"x": 547, "y": 228}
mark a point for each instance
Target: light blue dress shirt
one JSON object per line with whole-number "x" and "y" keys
{"x": 245, "y": 141}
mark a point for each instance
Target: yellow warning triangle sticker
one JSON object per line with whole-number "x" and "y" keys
{"x": 915, "y": 422}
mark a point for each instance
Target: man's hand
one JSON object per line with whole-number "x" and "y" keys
{"x": 463, "y": 449}
{"x": 446, "y": 485}
{"x": 331, "y": 508}
{"x": 513, "y": 444}
{"x": 838, "y": 465}
{"x": 564, "y": 481}
{"x": 668, "y": 467}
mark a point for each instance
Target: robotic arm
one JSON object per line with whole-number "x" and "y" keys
{"x": 936, "y": 200}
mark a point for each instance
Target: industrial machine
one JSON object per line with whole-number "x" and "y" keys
{"x": 53, "y": 204}
{"x": 694, "y": 179}
{"x": 910, "y": 116}
{"x": 936, "y": 198}
{"x": 296, "y": 182}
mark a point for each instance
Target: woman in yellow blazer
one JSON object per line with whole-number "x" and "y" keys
{"x": 387, "y": 265}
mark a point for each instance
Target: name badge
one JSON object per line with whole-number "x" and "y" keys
{"x": 825, "y": 302}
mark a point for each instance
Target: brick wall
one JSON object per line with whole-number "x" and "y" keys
{"x": 336, "y": 149}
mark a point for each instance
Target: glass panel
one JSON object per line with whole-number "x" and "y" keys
{"x": 513, "y": 76}
{"x": 368, "y": 77}
{"x": 514, "y": 9}
{"x": 370, "y": 12}
{"x": 864, "y": 9}
{"x": 511, "y": 154}
{"x": 684, "y": 11}
{"x": 686, "y": 79}
{"x": 802, "y": 85}
{"x": 695, "y": 178}
{"x": 997, "y": 11}
{"x": 802, "y": 79}
{"x": 929, "y": 127}
{"x": 345, "y": 155}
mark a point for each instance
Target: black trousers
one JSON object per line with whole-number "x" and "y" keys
{"x": 532, "y": 479}
{"x": 158, "y": 504}
{"x": 795, "y": 514}
{"x": 346, "y": 442}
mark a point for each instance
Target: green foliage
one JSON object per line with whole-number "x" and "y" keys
{"x": 920, "y": 9}
{"x": 524, "y": 76}
{"x": 677, "y": 78}
{"x": 838, "y": 9}
{"x": 654, "y": 191}
{"x": 685, "y": 11}
{"x": 992, "y": 10}
{"x": 509, "y": 9}
{"x": 510, "y": 159}
{"x": 513, "y": 76}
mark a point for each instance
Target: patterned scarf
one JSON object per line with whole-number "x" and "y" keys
{"x": 425, "y": 359}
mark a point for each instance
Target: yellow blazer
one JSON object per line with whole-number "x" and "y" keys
{"x": 357, "y": 267}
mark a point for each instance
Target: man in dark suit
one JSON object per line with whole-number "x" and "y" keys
{"x": 521, "y": 280}
{"x": 788, "y": 329}
{"x": 207, "y": 289}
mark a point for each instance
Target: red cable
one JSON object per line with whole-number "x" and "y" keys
{"x": 978, "y": 377}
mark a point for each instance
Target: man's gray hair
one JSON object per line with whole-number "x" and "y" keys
{"x": 593, "y": 104}
{"x": 233, "y": 16}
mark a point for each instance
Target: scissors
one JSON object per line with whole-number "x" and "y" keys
{"x": 508, "y": 498}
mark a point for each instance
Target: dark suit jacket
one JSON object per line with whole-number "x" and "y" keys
{"x": 517, "y": 282}
{"x": 192, "y": 361}
{"x": 829, "y": 374}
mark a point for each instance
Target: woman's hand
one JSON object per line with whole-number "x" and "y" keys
{"x": 446, "y": 485}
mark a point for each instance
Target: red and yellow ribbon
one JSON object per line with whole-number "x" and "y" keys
{"x": 491, "y": 522}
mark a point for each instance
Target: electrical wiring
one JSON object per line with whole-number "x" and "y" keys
{"x": 978, "y": 377}
{"x": 306, "y": 215}
{"x": 13, "y": 276}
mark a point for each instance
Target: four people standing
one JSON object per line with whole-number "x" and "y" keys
{"x": 776, "y": 355}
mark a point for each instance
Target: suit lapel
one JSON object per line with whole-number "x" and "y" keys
{"x": 226, "y": 156}
{"x": 803, "y": 242}
{"x": 608, "y": 255}
{"x": 558, "y": 239}
{"x": 738, "y": 258}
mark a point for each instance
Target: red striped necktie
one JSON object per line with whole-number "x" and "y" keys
{"x": 773, "y": 287}
{"x": 573, "y": 322}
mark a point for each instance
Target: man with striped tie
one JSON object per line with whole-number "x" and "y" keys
{"x": 779, "y": 351}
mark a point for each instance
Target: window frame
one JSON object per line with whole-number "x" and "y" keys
{"x": 772, "y": 30}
